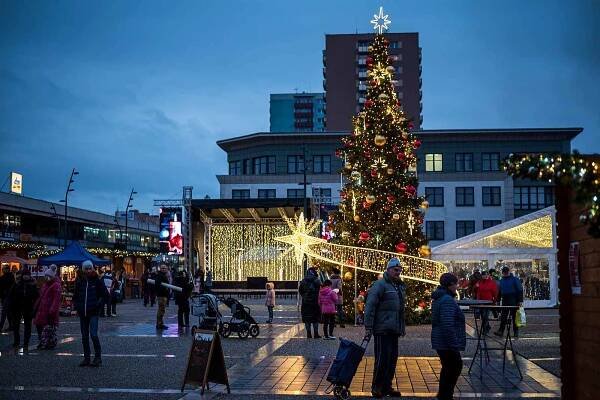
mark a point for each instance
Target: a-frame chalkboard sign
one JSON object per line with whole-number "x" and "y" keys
{"x": 206, "y": 362}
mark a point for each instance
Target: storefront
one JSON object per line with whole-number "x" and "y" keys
{"x": 527, "y": 245}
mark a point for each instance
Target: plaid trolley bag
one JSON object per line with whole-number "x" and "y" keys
{"x": 344, "y": 366}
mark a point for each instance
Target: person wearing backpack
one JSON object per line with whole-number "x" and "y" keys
{"x": 511, "y": 293}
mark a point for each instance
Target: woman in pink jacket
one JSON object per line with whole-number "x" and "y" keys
{"x": 327, "y": 301}
{"x": 48, "y": 305}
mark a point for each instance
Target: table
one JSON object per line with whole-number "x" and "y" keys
{"x": 482, "y": 346}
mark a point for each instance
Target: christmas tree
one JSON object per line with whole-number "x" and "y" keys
{"x": 379, "y": 206}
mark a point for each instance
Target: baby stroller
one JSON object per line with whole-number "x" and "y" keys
{"x": 241, "y": 321}
{"x": 206, "y": 308}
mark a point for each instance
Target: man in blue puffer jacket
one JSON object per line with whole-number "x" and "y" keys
{"x": 90, "y": 295}
{"x": 511, "y": 293}
{"x": 448, "y": 334}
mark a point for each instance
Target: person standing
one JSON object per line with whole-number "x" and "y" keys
{"x": 511, "y": 293}
{"x": 182, "y": 299}
{"x": 7, "y": 281}
{"x": 144, "y": 283}
{"x": 384, "y": 319}
{"x": 309, "y": 290}
{"x": 48, "y": 307}
{"x": 22, "y": 297}
{"x": 89, "y": 297}
{"x": 336, "y": 286}
{"x": 327, "y": 300}
{"x": 486, "y": 290}
{"x": 270, "y": 300}
{"x": 208, "y": 283}
{"x": 162, "y": 293}
{"x": 109, "y": 283}
{"x": 448, "y": 334}
{"x": 152, "y": 288}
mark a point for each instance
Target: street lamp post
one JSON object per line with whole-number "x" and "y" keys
{"x": 127, "y": 219}
{"x": 66, "y": 201}
{"x": 58, "y": 224}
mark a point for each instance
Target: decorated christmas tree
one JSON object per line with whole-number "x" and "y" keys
{"x": 379, "y": 206}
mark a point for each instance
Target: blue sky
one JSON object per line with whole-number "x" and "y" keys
{"x": 136, "y": 93}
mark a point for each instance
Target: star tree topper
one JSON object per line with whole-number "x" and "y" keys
{"x": 385, "y": 21}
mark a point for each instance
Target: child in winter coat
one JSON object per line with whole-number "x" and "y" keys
{"x": 48, "y": 306}
{"x": 270, "y": 300}
{"x": 327, "y": 301}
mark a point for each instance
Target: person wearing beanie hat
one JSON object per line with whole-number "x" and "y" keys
{"x": 309, "y": 310}
{"x": 384, "y": 318}
{"x": 48, "y": 307}
{"x": 21, "y": 300}
{"x": 448, "y": 333}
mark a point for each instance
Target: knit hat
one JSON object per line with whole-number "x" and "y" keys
{"x": 448, "y": 279}
{"x": 393, "y": 263}
{"x": 87, "y": 264}
{"x": 312, "y": 270}
{"x": 51, "y": 271}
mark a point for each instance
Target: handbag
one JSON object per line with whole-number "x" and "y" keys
{"x": 521, "y": 317}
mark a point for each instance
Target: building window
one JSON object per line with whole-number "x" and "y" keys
{"x": 295, "y": 193}
{"x": 240, "y": 194}
{"x": 463, "y": 162}
{"x": 322, "y": 195}
{"x": 295, "y": 164}
{"x": 395, "y": 45}
{"x": 433, "y": 162}
{"x": 247, "y": 166}
{"x": 235, "y": 167}
{"x": 266, "y": 193}
{"x": 488, "y": 223}
{"x": 533, "y": 197}
{"x": 11, "y": 223}
{"x": 465, "y": 197}
{"x": 434, "y": 230}
{"x": 435, "y": 196}
{"x": 491, "y": 195}
{"x": 264, "y": 165}
{"x": 464, "y": 228}
{"x": 322, "y": 164}
{"x": 490, "y": 161}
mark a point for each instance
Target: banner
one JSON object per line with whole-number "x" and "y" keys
{"x": 16, "y": 183}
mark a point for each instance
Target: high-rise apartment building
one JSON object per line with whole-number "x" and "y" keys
{"x": 297, "y": 112}
{"x": 345, "y": 76}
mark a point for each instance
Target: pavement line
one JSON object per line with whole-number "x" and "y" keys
{"x": 544, "y": 359}
{"x": 90, "y": 390}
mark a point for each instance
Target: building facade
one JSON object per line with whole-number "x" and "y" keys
{"x": 345, "y": 76}
{"x": 297, "y": 112}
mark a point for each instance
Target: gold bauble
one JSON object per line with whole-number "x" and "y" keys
{"x": 396, "y": 217}
{"x": 404, "y": 135}
{"x": 390, "y": 171}
{"x": 356, "y": 218}
{"x": 425, "y": 205}
{"x": 355, "y": 175}
{"x": 345, "y": 234}
{"x": 348, "y": 166}
{"x": 425, "y": 251}
{"x": 348, "y": 276}
{"x": 370, "y": 199}
{"x": 380, "y": 140}
{"x": 383, "y": 96}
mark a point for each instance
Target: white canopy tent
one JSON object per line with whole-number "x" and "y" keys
{"x": 526, "y": 244}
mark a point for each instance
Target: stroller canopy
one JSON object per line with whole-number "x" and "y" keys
{"x": 73, "y": 254}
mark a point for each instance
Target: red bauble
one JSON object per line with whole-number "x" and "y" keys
{"x": 366, "y": 204}
{"x": 374, "y": 173}
{"x": 369, "y": 60}
{"x": 410, "y": 190}
{"x": 417, "y": 144}
{"x": 338, "y": 154}
{"x": 367, "y": 153}
{"x": 401, "y": 247}
{"x": 387, "y": 207}
{"x": 401, "y": 156}
{"x": 391, "y": 198}
{"x": 373, "y": 82}
{"x": 368, "y": 103}
{"x": 395, "y": 149}
{"x": 410, "y": 125}
{"x": 364, "y": 236}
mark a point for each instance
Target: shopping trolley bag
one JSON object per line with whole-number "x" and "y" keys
{"x": 344, "y": 366}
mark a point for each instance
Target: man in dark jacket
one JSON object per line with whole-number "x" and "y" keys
{"x": 511, "y": 293}
{"x": 384, "y": 318}
{"x": 309, "y": 290}
{"x": 7, "y": 280}
{"x": 182, "y": 298}
{"x": 448, "y": 334}
{"x": 89, "y": 297}
{"x": 162, "y": 294}
{"x": 21, "y": 298}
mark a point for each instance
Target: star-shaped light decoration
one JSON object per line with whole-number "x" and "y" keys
{"x": 301, "y": 237}
{"x": 385, "y": 21}
{"x": 379, "y": 163}
{"x": 410, "y": 222}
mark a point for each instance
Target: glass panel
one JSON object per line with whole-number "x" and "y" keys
{"x": 534, "y": 276}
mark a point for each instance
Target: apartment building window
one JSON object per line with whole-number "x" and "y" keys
{"x": 395, "y": 45}
{"x": 490, "y": 161}
{"x": 264, "y": 165}
{"x": 322, "y": 164}
{"x": 235, "y": 167}
{"x": 435, "y": 196}
{"x": 247, "y": 166}
{"x": 465, "y": 197}
{"x": 533, "y": 197}
{"x": 491, "y": 195}
{"x": 434, "y": 230}
{"x": 266, "y": 193}
{"x": 295, "y": 165}
{"x": 11, "y": 223}
{"x": 322, "y": 195}
{"x": 240, "y": 194}
{"x": 464, "y": 228}
{"x": 295, "y": 193}
{"x": 433, "y": 162}
{"x": 488, "y": 223}
{"x": 463, "y": 162}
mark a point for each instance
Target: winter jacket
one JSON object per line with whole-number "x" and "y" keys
{"x": 327, "y": 300}
{"x": 511, "y": 290}
{"x": 309, "y": 290}
{"x": 448, "y": 330}
{"x": 384, "y": 311}
{"x": 161, "y": 291}
{"x": 182, "y": 297}
{"x": 336, "y": 283}
{"x": 48, "y": 305}
{"x": 22, "y": 297}
{"x": 6, "y": 283}
{"x": 108, "y": 281}
{"x": 89, "y": 295}
{"x": 487, "y": 289}
{"x": 270, "y": 297}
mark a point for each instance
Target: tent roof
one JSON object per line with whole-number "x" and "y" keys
{"x": 73, "y": 254}
{"x": 13, "y": 259}
{"x": 531, "y": 231}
